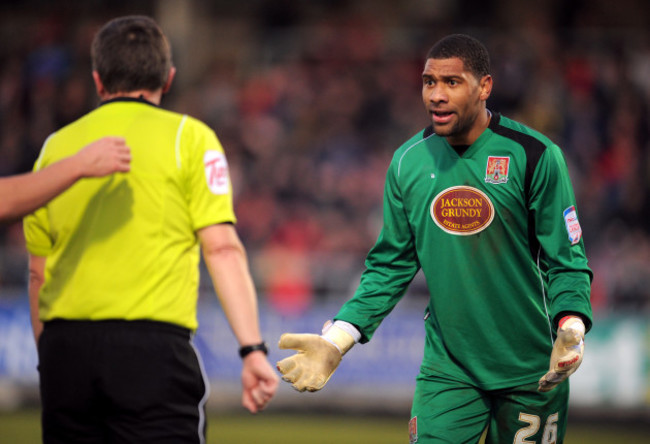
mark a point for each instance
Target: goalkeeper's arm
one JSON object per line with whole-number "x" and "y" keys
{"x": 318, "y": 356}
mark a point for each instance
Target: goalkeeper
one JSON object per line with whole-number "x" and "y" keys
{"x": 485, "y": 207}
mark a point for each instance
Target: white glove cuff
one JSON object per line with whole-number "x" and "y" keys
{"x": 573, "y": 323}
{"x": 341, "y": 334}
{"x": 349, "y": 329}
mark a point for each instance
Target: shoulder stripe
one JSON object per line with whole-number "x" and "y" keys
{"x": 533, "y": 147}
{"x": 399, "y": 164}
{"x": 178, "y": 141}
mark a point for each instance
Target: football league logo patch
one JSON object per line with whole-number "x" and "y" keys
{"x": 572, "y": 225}
{"x": 216, "y": 172}
{"x": 497, "y": 169}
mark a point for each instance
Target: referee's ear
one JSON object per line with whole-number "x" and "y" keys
{"x": 99, "y": 85}
{"x": 170, "y": 79}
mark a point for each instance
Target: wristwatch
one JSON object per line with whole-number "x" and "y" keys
{"x": 246, "y": 349}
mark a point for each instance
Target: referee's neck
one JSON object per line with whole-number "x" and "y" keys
{"x": 150, "y": 96}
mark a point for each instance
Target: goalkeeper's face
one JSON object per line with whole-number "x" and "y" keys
{"x": 455, "y": 99}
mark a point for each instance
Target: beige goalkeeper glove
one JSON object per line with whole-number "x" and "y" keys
{"x": 567, "y": 352}
{"x": 317, "y": 357}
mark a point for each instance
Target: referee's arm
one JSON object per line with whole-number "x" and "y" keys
{"x": 227, "y": 263}
{"x": 226, "y": 260}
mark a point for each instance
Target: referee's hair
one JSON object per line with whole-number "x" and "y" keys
{"x": 131, "y": 53}
{"x": 472, "y": 52}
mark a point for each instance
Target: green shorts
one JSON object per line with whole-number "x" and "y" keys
{"x": 447, "y": 411}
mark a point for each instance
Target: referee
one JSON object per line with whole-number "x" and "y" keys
{"x": 114, "y": 263}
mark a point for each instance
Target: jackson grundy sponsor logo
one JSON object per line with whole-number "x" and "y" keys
{"x": 462, "y": 210}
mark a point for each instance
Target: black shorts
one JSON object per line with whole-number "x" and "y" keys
{"x": 120, "y": 382}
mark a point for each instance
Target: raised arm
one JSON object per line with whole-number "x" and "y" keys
{"x": 24, "y": 193}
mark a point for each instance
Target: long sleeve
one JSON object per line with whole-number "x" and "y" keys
{"x": 390, "y": 265}
{"x": 553, "y": 207}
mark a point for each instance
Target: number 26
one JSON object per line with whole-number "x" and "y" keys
{"x": 550, "y": 429}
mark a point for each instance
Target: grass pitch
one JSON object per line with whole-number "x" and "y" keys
{"x": 272, "y": 428}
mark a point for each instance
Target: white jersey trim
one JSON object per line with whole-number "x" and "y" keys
{"x": 399, "y": 164}
{"x": 202, "y": 402}
{"x": 40, "y": 156}
{"x": 177, "y": 147}
{"x": 541, "y": 282}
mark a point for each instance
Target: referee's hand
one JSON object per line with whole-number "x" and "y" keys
{"x": 259, "y": 381}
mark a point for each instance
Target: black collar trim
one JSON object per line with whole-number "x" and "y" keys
{"x": 128, "y": 99}
{"x": 494, "y": 121}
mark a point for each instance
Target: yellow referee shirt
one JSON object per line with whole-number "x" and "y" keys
{"x": 124, "y": 246}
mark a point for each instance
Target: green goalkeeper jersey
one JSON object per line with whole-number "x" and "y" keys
{"x": 496, "y": 233}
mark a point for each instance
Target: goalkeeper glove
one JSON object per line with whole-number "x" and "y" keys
{"x": 567, "y": 352}
{"x": 317, "y": 357}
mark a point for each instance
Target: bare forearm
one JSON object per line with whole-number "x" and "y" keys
{"x": 233, "y": 284}
{"x": 25, "y": 193}
{"x": 227, "y": 263}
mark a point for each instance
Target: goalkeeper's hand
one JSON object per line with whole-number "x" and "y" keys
{"x": 567, "y": 352}
{"x": 317, "y": 357}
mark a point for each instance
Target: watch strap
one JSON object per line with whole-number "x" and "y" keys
{"x": 246, "y": 349}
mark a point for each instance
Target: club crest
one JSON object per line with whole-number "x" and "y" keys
{"x": 413, "y": 430}
{"x": 496, "y": 170}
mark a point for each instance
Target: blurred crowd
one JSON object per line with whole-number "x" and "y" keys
{"x": 310, "y": 99}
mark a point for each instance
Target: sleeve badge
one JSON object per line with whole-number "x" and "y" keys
{"x": 216, "y": 172}
{"x": 572, "y": 225}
